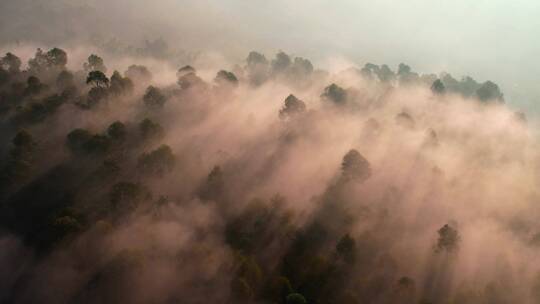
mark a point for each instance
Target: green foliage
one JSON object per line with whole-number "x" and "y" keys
{"x": 296, "y": 298}
{"x": 153, "y": 98}
{"x": 257, "y": 68}
{"x": 31, "y": 113}
{"x": 301, "y": 67}
{"x": 158, "y": 162}
{"x": 66, "y": 225}
{"x": 108, "y": 169}
{"x": 35, "y": 112}
{"x": 406, "y": 76}
{"x": 255, "y": 58}
{"x": 150, "y": 129}
{"x": 138, "y": 73}
{"x": 5, "y": 77}
{"x": 292, "y": 107}
{"x": 98, "y": 79}
{"x": 355, "y": 167}
{"x": 448, "y": 240}
{"x": 96, "y": 95}
{"x": 77, "y": 138}
{"x": 249, "y": 270}
{"x": 120, "y": 85}
{"x": 95, "y": 63}
{"x": 20, "y": 159}
{"x": 34, "y": 86}
{"x": 185, "y": 70}
{"x": 65, "y": 79}
{"x": 190, "y": 80}
{"x": 226, "y": 78}
{"x": 54, "y": 58}
{"x": 335, "y": 94}
{"x": 57, "y": 57}
{"x": 23, "y": 139}
{"x": 11, "y": 63}
{"x": 489, "y": 91}
{"x": 125, "y": 196}
{"x": 438, "y": 87}
{"x": 214, "y": 187}
{"x": 97, "y": 144}
{"x": 117, "y": 131}
{"x": 281, "y": 63}
{"x": 82, "y": 141}
{"x": 346, "y": 249}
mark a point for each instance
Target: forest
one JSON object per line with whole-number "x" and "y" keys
{"x": 265, "y": 181}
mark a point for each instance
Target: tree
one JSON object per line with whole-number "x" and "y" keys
{"x": 31, "y": 113}
{"x": 281, "y": 63}
{"x": 335, "y": 94}
{"x": 355, "y": 167}
{"x": 23, "y": 140}
{"x": 95, "y": 63}
{"x": 98, "y": 79}
{"x": 448, "y": 239}
{"x": 296, "y": 298}
{"x": 185, "y": 70}
{"x": 39, "y": 62}
{"x": 302, "y": 67}
{"x": 11, "y": 63}
{"x": 138, "y": 73}
{"x": 255, "y": 58}
{"x": 346, "y": 249}
{"x": 157, "y": 162}
{"x": 96, "y": 95}
{"x": 257, "y": 68}
{"x": 190, "y": 80}
{"x": 120, "y": 85}
{"x": 64, "y": 80}
{"x": 214, "y": 186}
{"x": 20, "y": 159}
{"x": 438, "y": 87}
{"x": 125, "y": 196}
{"x": 117, "y": 131}
{"x": 292, "y": 107}
{"x": 5, "y": 77}
{"x": 406, "y": 75}
{"x": 97, "y": 144}
{"x": 34, "y": 86}
{"x": 468, "y": 86}
{"x": 153, "y": 98}
{"x": 403, "y": 69}
{"x": 82, "y": 141}
{"x": 66, "y": 225}
{"x": 226, "y": 79}
{"x": 150, "y": 129}
{"x": 77, "y": 138}
{"x": 54, "y": 58}
{"x": 370, "y": 71}
{"x": 489, "y": 91}
{"x": 57, "y": 58}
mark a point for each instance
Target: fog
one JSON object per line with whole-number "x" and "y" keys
{"x": 493, "y": 40}
{"x": 192, "y": 161}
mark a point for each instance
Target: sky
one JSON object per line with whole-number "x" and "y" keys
{"x": 489, "y": 40}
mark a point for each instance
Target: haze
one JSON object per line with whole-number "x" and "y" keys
{"x": 496, "y": 40}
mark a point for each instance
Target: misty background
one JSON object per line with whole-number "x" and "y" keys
{"x": 264, "y": 152}
{"x": 495, "y": 40}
